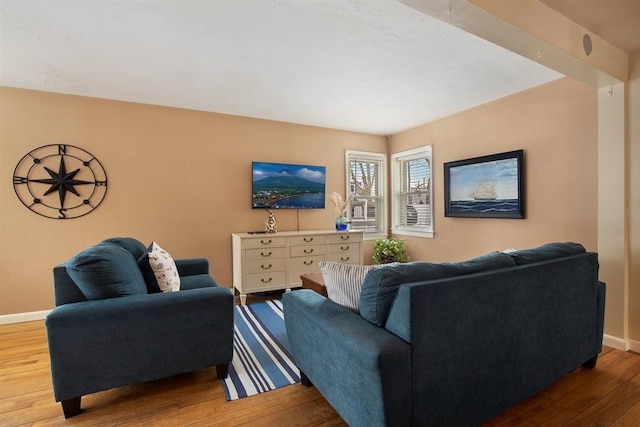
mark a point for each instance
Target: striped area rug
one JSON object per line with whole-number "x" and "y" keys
{"x": 261, "y": 357}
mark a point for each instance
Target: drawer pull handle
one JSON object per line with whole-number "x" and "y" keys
{"x": 265, "y": 267}
{"x": 308, "y": 262}
{"x": 266, "y": 281}
{"x": 308, "y": 240}
{"x": 310, "y": 251}
{"x": 265, "y": 255}
{"x": 344, "y": 248}
{"x": 345, "y": 259}
{"x": 265, "y": 242}
{"x": 344, "y": 237}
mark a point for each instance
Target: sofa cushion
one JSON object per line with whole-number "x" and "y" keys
{"x": 133, "y": 246}
{"x": 106, "y": 270}
{"x": 344, "y": 281}
{"x": 381, "y": 285}
{"x": 546, "y": 252}
{"x": 159, "y": 270}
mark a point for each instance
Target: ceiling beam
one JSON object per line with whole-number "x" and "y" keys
{"x": 533, "y": 30}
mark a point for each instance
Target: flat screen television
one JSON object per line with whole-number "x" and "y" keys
{"x": 287, "y": 186}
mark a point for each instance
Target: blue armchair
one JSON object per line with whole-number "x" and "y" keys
{"x": 127, "y": 335}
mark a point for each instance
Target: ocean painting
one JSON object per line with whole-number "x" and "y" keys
{"x": 485, "y": 187}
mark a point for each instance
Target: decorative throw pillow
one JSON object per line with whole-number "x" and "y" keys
{"x": 106, "y": 270}
{"x": 344, "y": 281}
{"x": 159, "y": 270}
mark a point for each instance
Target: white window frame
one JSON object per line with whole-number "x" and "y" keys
{"x": 397, "y": 182}
{"x": 381, "y": 213}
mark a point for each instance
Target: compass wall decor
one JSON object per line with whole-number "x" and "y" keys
{"x": 60, "y": 181}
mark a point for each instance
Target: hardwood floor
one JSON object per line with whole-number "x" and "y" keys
{"x": 606, "y": 396}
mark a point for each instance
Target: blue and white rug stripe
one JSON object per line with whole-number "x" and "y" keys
{"x": 261, "y": 356}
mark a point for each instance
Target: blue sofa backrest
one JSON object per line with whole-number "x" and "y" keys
{"x": 507, "y": 333}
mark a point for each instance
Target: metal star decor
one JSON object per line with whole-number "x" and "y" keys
{"x": 62, "y": 181}
{"x": 78, "y": 192}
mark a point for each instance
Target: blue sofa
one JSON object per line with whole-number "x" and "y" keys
{"x": 451, "y": 344}
{"x": 108, "y": 331}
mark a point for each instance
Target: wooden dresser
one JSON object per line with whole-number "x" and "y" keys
{"x": 266, "y": 262}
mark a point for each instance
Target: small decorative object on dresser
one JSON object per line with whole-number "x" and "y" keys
{"x": 271, "y": 226}
{"x": 341, "y": 207}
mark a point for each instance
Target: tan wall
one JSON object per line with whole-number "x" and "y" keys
{"x": 182, "y": 177}
{"x": 179, "y": 177}
{"x": 633, "y": 163}
{"x": 556, "y": 125}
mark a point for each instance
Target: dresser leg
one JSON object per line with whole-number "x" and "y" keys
{"x": 243, "y": 299}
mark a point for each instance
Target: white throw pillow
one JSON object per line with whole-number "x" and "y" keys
{"x": 344, "y": 282}
{"x": 164, "y": 268}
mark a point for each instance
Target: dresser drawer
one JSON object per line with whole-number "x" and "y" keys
{"x": 344, "y": 238}
{"x": 307, "y": 250}
{"x": 343, "y": 248}
{"x": 318, "y": 239}
{"x": 348, "y": 258}
{"x": 263, "y": 242}
{"x": 264, "y": 265}
{"x": 265, "y": 253}
{"x": 303, "y": 265}
{"x": 264, "y": 280}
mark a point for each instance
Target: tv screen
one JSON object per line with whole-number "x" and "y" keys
{"x": 287, "y": 186}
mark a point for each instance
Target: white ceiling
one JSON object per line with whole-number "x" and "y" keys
{"x": 375, "y": 66}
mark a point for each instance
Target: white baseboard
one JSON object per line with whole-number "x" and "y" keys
{"x": 615, "y": 342}
{"x": 634, "y": 346}
{"x": 6, "y": 319}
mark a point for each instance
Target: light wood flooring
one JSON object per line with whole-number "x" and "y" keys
{"x": 606, "y": 396}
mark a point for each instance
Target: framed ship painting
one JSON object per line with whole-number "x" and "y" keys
{"x": 485, "y": 187}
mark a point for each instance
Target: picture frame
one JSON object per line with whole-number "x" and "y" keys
{"x": 485, "y": 187}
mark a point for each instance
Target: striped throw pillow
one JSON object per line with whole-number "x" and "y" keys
{"x": 344, "y": 281}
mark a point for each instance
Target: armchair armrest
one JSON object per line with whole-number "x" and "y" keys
{"x": 113, "y": 342}
{"x": 361, "y": 369}
{"x": 192, "y": 266}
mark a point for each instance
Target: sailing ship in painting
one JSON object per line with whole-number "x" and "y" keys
{"x": 485, "y": 199}
{"x": 485, "y": 190}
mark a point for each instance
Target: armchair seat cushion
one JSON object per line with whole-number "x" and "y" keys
{"x": 106, "y": 270}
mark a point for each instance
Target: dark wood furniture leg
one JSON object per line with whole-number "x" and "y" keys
{"x": 591, "y": 363}
{"x": 71, "y": 407}
{"x": 305, "y": 380}
{"x": 222, "y": 370}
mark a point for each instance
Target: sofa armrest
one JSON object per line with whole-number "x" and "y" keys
{"x": 361, "y": 369}
{"x": 101, "y": 344}
{"x": 192, "y": 266}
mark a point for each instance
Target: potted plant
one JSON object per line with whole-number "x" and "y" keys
{"x": 388, "y": 250}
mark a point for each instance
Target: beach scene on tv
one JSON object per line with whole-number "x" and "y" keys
{"x": 288, "y": 186}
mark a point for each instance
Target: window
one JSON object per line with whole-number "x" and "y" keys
{"x": 411, "y": 210}
{"x": 365, "y": 182}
